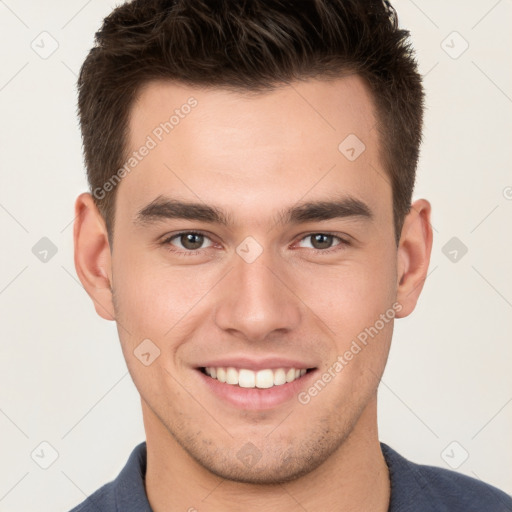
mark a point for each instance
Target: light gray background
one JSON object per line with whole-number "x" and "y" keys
{"x": 63, "y": 376}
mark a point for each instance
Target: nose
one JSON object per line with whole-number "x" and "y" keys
{"x": 257, "y": 301}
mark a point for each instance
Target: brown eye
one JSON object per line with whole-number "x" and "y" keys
{"x": 322, "y": 241}
{"x": 190, "y": 241}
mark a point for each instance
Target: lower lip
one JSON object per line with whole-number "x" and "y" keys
{"x": 255, "y": 398}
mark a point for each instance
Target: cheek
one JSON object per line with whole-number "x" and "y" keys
{"x": 153, "y": 299}
{"x": 350, "y": 296}
{"x": 359, "y": 312}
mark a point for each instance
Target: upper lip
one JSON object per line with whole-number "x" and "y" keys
{"x": 256, "y": 364}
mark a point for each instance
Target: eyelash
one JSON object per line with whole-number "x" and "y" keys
{"x": 167, "y": 242}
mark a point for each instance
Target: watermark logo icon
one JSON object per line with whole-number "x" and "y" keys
{"x": 44, "y": 455}
{"x": 351, "y": 147}
{"x": 146, "y": 352}
{"x": 454, "y": 249}
{"x": 249, "y": 250}
{"x": 45, "y": 45}
{"x": 454, "y": 45}
{"x": 44, "y": 250}
{"x": 454, "y": 455}
{"x": 249, "y": 455}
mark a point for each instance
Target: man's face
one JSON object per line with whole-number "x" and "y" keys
{"x": 265, "y": 290}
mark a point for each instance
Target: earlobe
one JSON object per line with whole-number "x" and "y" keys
{"x": 92, "y": 255}
{"x": 413, "y": 256}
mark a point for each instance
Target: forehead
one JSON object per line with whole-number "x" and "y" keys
{"x": 304, "y": 140}
{"x": 310, "y": 110}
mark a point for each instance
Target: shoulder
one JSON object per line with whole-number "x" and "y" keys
{"x": 124, "y": 494}
{"x": 424, "y": 488}
{"x": 449, "y": 487}
{"x": 103, "y": 499}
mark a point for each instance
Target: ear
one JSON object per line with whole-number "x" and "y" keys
{"x": 92, "y": 255}
{"x": 413, "y": 256}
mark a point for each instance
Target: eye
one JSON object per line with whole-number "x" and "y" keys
{"x": 189, "y": 241}
{"x": 323, "y": 241}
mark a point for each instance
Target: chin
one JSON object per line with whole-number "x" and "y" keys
{"x": 270, "y": 472}
{"x": 281, "y": 460}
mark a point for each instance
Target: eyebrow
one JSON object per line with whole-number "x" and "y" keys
{"x": 163, "y": 208}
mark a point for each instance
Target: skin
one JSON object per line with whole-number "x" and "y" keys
{"x": 253, "y": 156}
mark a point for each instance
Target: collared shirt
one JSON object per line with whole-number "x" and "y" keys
{"x": 414, "y": 488}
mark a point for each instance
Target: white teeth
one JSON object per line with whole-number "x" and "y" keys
{"x": 262, "y": 379}
{"x": 246, "y": 379}
{"x": 231, "y": 376}
{"x": 265, "y": 379}
{"x": 221, "y": 375}
{"x": 279, "y": 377}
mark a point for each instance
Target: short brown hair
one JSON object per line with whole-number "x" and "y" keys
{"x": 252, "y": 46}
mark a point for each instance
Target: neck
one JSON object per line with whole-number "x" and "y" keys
{"x": 354, "y": 478}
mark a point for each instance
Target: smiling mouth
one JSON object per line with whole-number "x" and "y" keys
{"x": 261, "y": 379}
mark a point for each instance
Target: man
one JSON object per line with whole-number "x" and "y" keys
{"x": 250, "y": 230}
